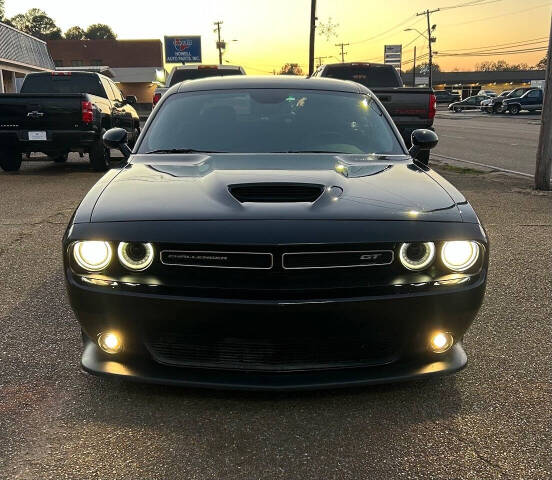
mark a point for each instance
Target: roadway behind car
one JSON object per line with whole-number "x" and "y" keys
{"x": 501, "y": 141}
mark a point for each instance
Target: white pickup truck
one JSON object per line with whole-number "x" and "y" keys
{"x": 191, "y": 72}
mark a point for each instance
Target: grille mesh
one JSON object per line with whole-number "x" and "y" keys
{"x": 269, "y": 354}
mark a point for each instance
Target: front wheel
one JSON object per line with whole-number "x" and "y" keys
{"x": 457, "y": 109}
{"x": 10, "y": 161}
{"x": 99, "y": 155}
{"x": 514, "y": 109}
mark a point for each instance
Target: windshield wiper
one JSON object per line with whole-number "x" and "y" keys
{"x": 311, "y": 151}
{"x": 182, "y": 150}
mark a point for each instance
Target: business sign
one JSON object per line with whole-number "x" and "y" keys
{"x": 183, "y": 49}
{"x": 392, "y": 55}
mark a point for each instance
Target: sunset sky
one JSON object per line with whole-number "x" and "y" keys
{"x": 270, "y": 33}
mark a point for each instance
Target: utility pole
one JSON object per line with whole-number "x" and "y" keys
{"x": 414, "y": 69}
{"x": 341, "y": 45}
{"x": 544, "y": 151}
{"x": 430, "y": 40}
{"x": 312, "y": 31}
{"x": 320, "y": 60}
{"x": 220, "y": 43}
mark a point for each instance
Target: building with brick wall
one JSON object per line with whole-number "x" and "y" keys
{"x": 137, "y": 65}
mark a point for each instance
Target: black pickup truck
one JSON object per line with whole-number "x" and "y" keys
{"x": 61, "y": 112}
{"x": 410, "y": 108}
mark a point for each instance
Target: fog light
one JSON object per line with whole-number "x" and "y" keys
{"x": 110, "y": 342}
{"x": 441, "y": 342}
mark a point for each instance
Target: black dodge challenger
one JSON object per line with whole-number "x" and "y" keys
{"x": 273, "y": 233}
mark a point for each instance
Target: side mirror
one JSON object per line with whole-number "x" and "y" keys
{"x": 117, "y": 138}
{"x": 131, "y": 99}
{"x": 423, "y": 140}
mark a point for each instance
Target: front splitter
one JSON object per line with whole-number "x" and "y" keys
{"x": 148, "y": 371}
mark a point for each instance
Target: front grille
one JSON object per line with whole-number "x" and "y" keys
{"x": 269, "y": 354}
{"x": 276, "y": 192}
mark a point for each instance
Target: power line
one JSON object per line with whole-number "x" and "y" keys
{"x": 406, "y": 20}
{"x": 473, "y": 3}
{"x": 519, "y": 43}
{"x": 497, "y": 16}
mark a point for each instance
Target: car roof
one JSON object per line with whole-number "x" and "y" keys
{"x": 206, "y": 66}
{"x": 276, "y": 81}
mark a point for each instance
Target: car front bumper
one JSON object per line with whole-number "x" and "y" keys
{"x": 405, "y": 322}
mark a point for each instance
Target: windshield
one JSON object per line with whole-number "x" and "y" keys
{"x": 370, "y": 76}
{"x": 74, "y": 83}
{"x": 271, "y": 120}
{"x": 194, "y": 73}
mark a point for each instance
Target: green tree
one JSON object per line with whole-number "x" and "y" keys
{"x": 500, "y": 66}
{"x": 75, "y": 33}
{"x": 423, "y": 68}
{"x": 291, "y": 69}
{"x": 2, "y": 11}
{"x": 100, "y": 31}
{"x": 37, "y": 23}
{"x": 541, "y": 65}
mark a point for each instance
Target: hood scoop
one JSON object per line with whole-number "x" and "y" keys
{"x": 276, "y": 192}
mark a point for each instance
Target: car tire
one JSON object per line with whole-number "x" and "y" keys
{"x": 514, "y": 109}
{"x": 497, "y": 109}
{"x": 99, "y": 155}
{"x": 60, "y": 157}
{"x": 457, "y": 109}
{"x": 10, "y": 161}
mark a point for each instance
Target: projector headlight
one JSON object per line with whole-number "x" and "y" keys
{"x": 135, "y": 256}
{"x": 460, "y": 255}
{"x": 92, "y": 256}
{"x": 417, "y": 256}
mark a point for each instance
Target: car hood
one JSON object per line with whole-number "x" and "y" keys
{"x": 196, "y": 187}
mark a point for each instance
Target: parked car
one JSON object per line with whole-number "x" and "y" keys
{"x": 61, "y": 112}
{"x": 487, "y": 105}
{"x": 302, "y": 246}
{"x": 530, "y": 101}
{"x": 470, "y": 103}
{"x": 411, "y": 108}
{"x": 193, "y": 72}
{"x": 446, "y": 96}
{"x": 495, "y": 105}
{"x": 488, "y": 93}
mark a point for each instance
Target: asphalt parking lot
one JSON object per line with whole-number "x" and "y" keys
{"x": 491, "y": 421}
{"x": 504, "y": 141}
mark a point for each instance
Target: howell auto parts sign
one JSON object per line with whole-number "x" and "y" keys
{"x": 183, "y": 49}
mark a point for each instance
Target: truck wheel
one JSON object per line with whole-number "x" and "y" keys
{"x": 10, "y": 161}
{"x": 59, "y": 157}
{"x": 99, "y": 155}
{"x": 514, "y": 109}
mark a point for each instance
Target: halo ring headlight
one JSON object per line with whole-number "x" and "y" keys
{"x": 135, "y": 256}
{"x": 417, "y": 256}
{"x": 460, "y": 255}
{"x": 92, "y": 255}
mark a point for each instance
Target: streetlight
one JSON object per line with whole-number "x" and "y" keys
{"x": 430, "y": 40}
{"x": 415, "y": 30}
